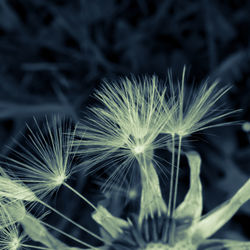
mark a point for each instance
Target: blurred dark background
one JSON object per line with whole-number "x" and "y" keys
{"x": 54, "y": 53}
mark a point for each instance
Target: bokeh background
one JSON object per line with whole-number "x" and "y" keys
{"x": 53, "y": 54}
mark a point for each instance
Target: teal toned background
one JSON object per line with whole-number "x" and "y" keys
{"x": 54, "y": 53}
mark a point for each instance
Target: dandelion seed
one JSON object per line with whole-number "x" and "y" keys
{"x": 44, "y": 166}
{"x": 10, "y": 239}
{"x": 126, "y": 130}
{"x": 153, "y": 228}
{"x": 127, "y": 125}
{"x": 193, "y": 112}
{"x": 138, "y": 149}
{"x": 12, "y": 210}
{"x": 45, "y": 161}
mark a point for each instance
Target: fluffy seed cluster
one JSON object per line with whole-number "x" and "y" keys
{"x": 10, "y": 237}
{"x": 197, "y": 110}
{"x": 137, "y": 116}
{"x": 126, "y": 126}
{"x": 133, "y": 119}
{"x": 46, "y": 160}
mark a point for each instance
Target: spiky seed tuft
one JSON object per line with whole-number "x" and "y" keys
{"x": 195, "y": 111}
{"x": 126, "y": 127}
{"x": 46, "y": 161}
{"x": 10, "y": 238}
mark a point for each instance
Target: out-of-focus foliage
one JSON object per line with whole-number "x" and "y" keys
{"x": 53, "y": 53}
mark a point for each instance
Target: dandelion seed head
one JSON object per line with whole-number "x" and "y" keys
{"x": 195, "y": 110}
{"x": 10, "y": 238}
{"x": 126, "y": 125}
{"x": 138, "y": 149}
{"x": 15, "y": 243}
{"x": 59, "y": 179}
{"x": 44, "y": 160}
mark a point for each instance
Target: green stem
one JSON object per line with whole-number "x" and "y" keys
{"x": 71, "y": 221}
{"x": 67, "y": 235}
{"x": 170, "y": 210}
{"x": 78, "y": 194}
{"x": 151, "y": 198}
{"x": 172, "y": 229}
{"x": 35, "y": 247}
{"x": 177, "y": 172}
{"x": 181, "y": 102}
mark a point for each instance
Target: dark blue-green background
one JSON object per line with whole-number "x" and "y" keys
{"x": 54, "y": 53}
